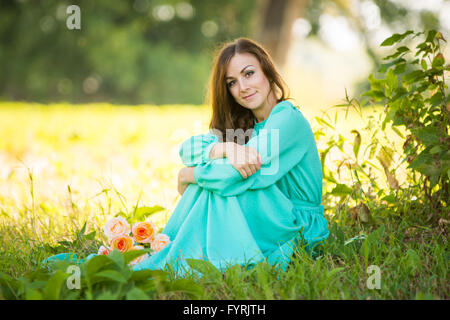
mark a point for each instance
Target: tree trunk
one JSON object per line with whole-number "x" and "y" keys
{"x": 273, "y": 24}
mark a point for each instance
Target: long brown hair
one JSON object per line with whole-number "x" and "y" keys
{"x": 226, "y": 112}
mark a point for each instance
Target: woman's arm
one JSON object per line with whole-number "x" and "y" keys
{"x": 197, "y": 149}
{"x": 286, "y": 138}
{"x": 246, "y": 160}
{"x": 185, "y": 177}
{"x": 218, "y": 151}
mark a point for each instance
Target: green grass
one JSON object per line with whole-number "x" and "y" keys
{"x": 63, "y": 167}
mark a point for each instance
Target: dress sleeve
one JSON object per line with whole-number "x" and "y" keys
{"x": 282, "y": 143}
{"x": 196, "y": 149}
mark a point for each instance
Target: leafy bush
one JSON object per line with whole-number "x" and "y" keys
{"x": 414, "y": 94}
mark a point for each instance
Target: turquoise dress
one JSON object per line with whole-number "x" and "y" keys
{"x": 227, "y": 219}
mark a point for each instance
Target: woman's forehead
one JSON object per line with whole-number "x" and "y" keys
{"x": 240, "y": 61}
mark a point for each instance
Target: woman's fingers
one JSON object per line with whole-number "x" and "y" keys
{"x": 247, "y": 160}
{"x": 243, "y": 173}
{"x": 254, "y": 168}
{"x": 248, "y": 170}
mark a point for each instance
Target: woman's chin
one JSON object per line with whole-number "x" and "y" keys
{"x": 252, "y": 105}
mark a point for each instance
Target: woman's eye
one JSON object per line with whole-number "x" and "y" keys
{"x": 231, "y": 83}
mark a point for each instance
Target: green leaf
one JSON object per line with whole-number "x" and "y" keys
{"x": 391, "y": 82}
{"x": 133, "y": 254}
{"x": 83, "y": 229}
{"x": 112, "y": 275}
{"x": 137, "y": 294}
{"x": 9, "y": 286}
{"x": 117, "y": 257}
{"x": 204, "y": 267}
{"x": 32, "y": 294}
{"x": 191, "y": 288}
{"x": 399, "y": 93}
{"x": 391, "y": 40}
{"x": 96, "y": 263}
{"x": 122, "y": 214}
{"x": 414, "y": 76}
{"x": 398, "y": 132}
{"x": 422, "y": 86}
{"x": 424, "y": 163}
{"x": 356, "y": 143}
{"x": 437, "y": 99}
{"x": 375, "y": 94}
{"x": 106, "y": 296}
{"x": 428, "y": 135}
{"x": 332, "y": 273}
{"x": 395, "y": 38}
{"x": 399, "y": 51}
{"x": 341, "y": 190}
{"x": 438, "y": 61}
{"x": 435, "y": 149}
{"x": 400, "y": 68}
{"x": 390, "y": 198}
{"x": 386, "y": 66}
{"x": 142, "y": 212}
{"x": 330, "y": 179}
{"x": 323, "y": 122}
{"x": 148, "y": 274}
{"x": 424, "y": 64}
{"x": 323, "y": 156}
{"x": 375, "y": 84}
{"x": 431, "y": 35}
{"x": 54, "y": 284}
{"x": 91, "y": 235}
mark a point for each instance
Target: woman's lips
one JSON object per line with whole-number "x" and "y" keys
{"x": 248, "y": 97}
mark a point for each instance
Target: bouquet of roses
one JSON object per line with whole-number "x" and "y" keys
{"x": 138, "y": 237}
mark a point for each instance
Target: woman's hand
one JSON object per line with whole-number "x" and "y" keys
{"x": 244, "y": 159}
{"x": 185, "y": 177}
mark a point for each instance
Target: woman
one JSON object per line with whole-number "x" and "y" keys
{"x": 252, "y": 186}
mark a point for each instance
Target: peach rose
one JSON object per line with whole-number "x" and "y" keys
{"x": 104, "y": 250}
{"x": 116, "y": 227}
{"x": 143, "y": 232}
{"x": 160, "y": 241}
{"x": 140, "y": 258}
{"x": 122, "y": 243}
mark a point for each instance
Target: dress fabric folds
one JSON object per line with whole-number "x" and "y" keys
{"x": 226, "y": 219}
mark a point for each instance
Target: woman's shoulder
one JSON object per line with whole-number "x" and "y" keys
{"x": 285, "y": 109}
{"x": 290, "y": 119}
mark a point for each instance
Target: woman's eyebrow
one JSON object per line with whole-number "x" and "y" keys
{"x": 241, "y": 71}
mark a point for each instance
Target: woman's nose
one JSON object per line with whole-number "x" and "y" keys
{"x": 243, "y": 85}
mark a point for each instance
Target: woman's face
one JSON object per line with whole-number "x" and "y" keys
{"x": 246, "y": 81}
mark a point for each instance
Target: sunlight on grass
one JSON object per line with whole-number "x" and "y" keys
{"x": 78, "y": 163}
{"x": 65, "y": 165}
{"x": 86, "y": 162}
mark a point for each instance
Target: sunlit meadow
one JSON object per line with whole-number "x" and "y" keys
{"x": 62, "y": 166}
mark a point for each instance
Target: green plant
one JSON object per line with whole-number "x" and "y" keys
{"x": 414, "y": 94}
{"x": 102, "y": 278}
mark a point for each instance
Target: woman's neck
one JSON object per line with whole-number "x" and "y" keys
{"x": 263, "y": 112}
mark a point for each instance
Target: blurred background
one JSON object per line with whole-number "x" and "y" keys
{"x": 92, "y": 119}
{"x": 160, "y": 52}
